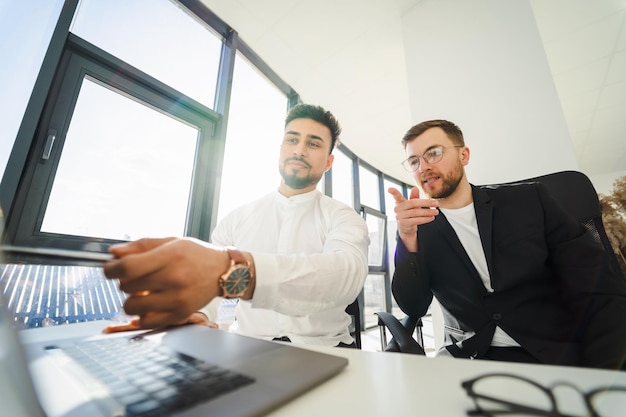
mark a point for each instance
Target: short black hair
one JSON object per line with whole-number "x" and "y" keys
{"x": 320, "y": 115}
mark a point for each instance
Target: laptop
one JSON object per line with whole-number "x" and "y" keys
{"x": 53, "y": 256}
{"x": 44, "y": 372}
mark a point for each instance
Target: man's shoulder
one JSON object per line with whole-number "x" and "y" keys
{"x": 508, "y": 186}
{"x": 509, "y": 189}
{"x": 336, "y": 207}
{"x": 332, "y": 202}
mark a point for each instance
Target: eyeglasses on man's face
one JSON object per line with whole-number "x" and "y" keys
{"x": 502, "y": 394}
{"x": 431, "y": 156}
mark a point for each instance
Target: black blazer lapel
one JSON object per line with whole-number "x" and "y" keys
{"x": 483, "y": 206}
{"x": 445, "y": 229}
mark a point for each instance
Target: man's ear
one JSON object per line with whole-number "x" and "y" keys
{"x": 465, "y": 155}
{"x": 329, "y": 162}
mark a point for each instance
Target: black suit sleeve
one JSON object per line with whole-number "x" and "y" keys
{"x": 410, "y": 285}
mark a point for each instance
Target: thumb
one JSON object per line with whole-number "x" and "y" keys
{"x": 397, "y": 195}
{"x": 415, "y": 193}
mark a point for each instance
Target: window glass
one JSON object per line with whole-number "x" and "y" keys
{"x": 25, "y": 30}
{"x": 374, "y": 296}
{"x": 376, "y": 228}
{"x": 255, "y": 130}
{"x": 343, "y": 188}
{"x": 159, "y": 38}
{"x": 125, "y": 171}
{"x": 369, "y": 188}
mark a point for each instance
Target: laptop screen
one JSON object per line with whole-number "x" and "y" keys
{"x": 41, "y": 294}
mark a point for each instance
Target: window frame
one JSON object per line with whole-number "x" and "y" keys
{"x": 80, "y": 58}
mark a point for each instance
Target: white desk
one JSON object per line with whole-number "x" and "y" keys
{"x": 395, "y": 384}
{"x": 392, "y": 384}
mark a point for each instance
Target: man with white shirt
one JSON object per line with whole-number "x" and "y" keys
{"x": 516, "y": 277}
{"x": 294, "y": 258}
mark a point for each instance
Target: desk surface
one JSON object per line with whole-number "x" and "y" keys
{"x": 394, "y": 384}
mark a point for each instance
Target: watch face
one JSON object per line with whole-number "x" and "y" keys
{"x": 237, "y": 280}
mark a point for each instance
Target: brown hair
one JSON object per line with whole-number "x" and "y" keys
{"x": 452, "y": 131}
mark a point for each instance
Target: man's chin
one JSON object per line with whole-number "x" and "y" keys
{"x": 428, "y": 190}
{"x": 297, "y": 183}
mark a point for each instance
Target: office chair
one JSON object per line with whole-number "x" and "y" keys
{"x": 402, "y": 332}
{"x": 577, "y": 196}
{"x": 354, "y": 310}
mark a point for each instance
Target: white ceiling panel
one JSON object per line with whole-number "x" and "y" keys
{"x": 349, "y": 55}
{"x": 583, "y": 79}
{"x": 613, "y": 95}
{"x": 588, "y": 44}
{"x": 617, "y": 68}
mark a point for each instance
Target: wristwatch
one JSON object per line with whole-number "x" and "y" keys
{"x": 236, "y": 280}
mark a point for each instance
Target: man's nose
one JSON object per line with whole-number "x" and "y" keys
{"x": 300, "y": 149}
{"x": 423, "y": 166}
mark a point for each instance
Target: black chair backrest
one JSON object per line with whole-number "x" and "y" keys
{"x": 576, "y": 194}
{"x": 355, "y": 328}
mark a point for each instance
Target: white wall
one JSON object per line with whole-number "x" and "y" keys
{"x": 495, "y": 64}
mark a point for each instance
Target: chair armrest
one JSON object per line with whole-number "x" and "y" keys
{"x": 402, "y": 333}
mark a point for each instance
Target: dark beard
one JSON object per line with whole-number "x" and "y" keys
{"x": 295, "y": 182}
{"x": 450, "y": 184}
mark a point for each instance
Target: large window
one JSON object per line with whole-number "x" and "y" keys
{"x": 125, "y": 171}
{"x": 158, "y": 127}
{"x": 343, "y": 182}
{"x": 158, "y": 37}
{"x": 115, "y": 158}
{"x": 370, "y": 191}
{"x": 253, "y": 138}
{"x": 26, "y": 48}
{"x": 376, "y": 290}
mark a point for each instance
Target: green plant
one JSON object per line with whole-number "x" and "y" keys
{"x": 614, "y": 218}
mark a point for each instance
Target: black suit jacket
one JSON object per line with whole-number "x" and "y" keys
{"x": 553, "y": 290}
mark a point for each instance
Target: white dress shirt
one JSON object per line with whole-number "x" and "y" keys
{"x": 310, "y": 256}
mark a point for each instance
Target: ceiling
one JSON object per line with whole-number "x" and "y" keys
{"x": 585, "y": 42}
{"x": 348, "y": 55}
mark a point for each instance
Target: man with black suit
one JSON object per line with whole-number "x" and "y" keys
{"x": 516, "y": 277}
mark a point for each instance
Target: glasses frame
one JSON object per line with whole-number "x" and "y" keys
{"x": 528, "y": 410}
{"x": 419, "y": 158}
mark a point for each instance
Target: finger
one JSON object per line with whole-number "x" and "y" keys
{"x": 417, "y": 213}
{"x": 160, "y": 319}
{"x": 116, "y": 328}
{"x": 200, "y": 318}
{"x": 415, "y": 193}
{"x": 176, "y": 306}
{"x": 137, "y": 271}
{"x": 397, "y": 195}
{"x": 137, "y": 246}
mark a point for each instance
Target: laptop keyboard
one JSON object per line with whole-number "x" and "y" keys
{"x": 137, "y": 377}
